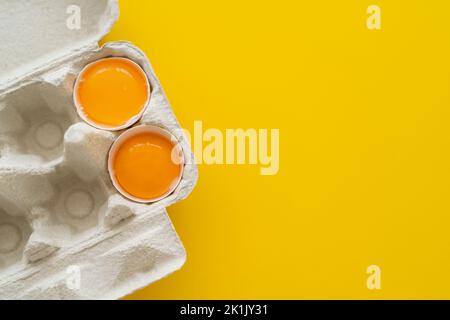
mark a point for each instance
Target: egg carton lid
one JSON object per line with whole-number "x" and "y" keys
{"x": 36, "y": 34}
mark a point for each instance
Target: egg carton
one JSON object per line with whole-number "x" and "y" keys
{"x": 65, "y": 231}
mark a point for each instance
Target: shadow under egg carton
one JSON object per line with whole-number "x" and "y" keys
{"x": 57, "y": 202}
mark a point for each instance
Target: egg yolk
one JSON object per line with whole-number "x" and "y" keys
{"x": 144, "y": 167}
{"x": 112, "y": 91}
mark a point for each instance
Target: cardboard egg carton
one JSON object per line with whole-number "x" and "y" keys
{"x": 65, "y": 231}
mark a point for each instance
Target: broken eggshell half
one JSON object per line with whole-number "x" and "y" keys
{"x": 177, "y": 157}
{"x": 118, "y": 89}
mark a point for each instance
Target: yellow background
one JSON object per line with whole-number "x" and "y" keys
{"x": 364, "y": 123}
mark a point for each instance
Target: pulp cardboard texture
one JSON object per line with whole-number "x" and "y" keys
{"x": 65, "y": 231}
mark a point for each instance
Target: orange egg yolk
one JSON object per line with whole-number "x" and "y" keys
{"x": 112, "y": 91}
{"x": 144, "y": 167}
